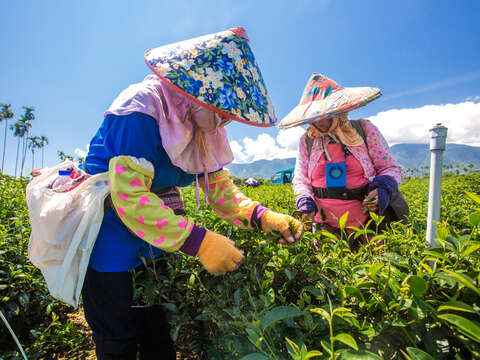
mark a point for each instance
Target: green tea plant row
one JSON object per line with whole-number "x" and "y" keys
{"x": 393, "y": 298}
{"x": 38, "y": 320}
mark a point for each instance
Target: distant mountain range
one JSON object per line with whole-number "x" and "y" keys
{"x": 409, "y": 155}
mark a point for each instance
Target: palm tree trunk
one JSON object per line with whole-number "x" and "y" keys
{"x": 16, "y": 160}
{"x": 43, "y": 151}
{"x": 24, "y": 152}
{"x": 22, "y": 157}
{"x": 4, "y": 144}
{"x": 33, "y": 159}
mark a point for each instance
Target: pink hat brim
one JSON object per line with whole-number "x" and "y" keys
{"x": 339, "y": 102}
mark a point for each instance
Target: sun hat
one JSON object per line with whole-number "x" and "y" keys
{"x": 323, "y": 98}
{"x": 219, "y": 72}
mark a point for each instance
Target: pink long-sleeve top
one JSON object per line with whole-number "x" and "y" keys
{"x": 376, "y": 160}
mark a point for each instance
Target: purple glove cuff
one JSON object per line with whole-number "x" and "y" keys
{"x": 256, "y": 219}
{"x": 386, "y": 186}
{"x": 194, "y": 240}
{"x": 305, "y": 204}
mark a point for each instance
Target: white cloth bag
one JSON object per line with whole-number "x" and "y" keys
{"x": 65, "y": 226}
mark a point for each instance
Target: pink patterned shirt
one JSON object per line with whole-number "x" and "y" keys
{"x": 333, "y": 208}
{"x": 375, "y": 161}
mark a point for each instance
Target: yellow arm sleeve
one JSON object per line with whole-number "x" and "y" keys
{"x": 227, "y": 201}
{"x": 141, "y": 211}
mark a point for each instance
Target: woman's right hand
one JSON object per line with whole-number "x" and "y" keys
{"x": 218, "y": 254}
{"x": 307, "y": 219}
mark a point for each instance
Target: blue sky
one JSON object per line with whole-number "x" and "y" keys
{"x": 71, "y": 59}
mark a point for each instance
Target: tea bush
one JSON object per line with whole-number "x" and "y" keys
{"x": 398, "y": 300}
{"x": 37, "y": 319}
{"x": 315, "y": 298}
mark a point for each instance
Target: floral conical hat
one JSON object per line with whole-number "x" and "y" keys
{"x": 219, "y": 72}
{"x": 323, "y": 98}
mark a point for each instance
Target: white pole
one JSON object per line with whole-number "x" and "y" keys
{"x": 438, "y": 137}
{"x": 13, "y": 335}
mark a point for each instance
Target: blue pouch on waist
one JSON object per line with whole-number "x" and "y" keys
{"x": 336, "y": 175}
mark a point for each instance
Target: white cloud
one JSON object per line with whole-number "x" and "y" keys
{"x": 284, "y": 146}
{"x": 473, "y": 98}
{"x": 82, "y": 153}
{"x": 396, "y": 125}
{"x": 413, "y": 125}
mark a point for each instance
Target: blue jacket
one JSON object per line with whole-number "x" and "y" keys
{"x": 136, "y": 134}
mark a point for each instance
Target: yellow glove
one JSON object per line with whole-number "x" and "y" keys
{"x": 218, "y": 254}
{"x": 272, "y": 221}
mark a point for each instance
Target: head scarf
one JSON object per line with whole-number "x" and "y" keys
{"x": 339, "y": 127}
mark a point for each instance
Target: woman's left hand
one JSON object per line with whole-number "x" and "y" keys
{"x": 371, "y": 201}
{"x": 272, "y": 221}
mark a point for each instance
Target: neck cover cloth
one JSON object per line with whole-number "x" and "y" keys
{"x": 339, "y": 127}
{"x": 193, "y": 136}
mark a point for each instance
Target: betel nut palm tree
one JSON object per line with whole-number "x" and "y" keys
{"x": 6, "y": 114}
{"x": 43, "y": 142}
{"x": 27, "y": 117}
{"x": 34, "y": 143}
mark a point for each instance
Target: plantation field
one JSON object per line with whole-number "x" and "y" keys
{"x": 313, "y": 299}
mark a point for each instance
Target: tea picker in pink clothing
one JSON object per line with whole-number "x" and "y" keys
{"x": 338, "y": 167}
{"x": 164, "y": 132}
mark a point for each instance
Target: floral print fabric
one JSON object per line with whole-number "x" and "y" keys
{"x": 324, "y": 98}
{"x": 220, "y": 72}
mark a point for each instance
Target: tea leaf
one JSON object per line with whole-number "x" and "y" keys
{"x": 473, "y": 196}
{"x": 465, "y": 326}
{"x": 312, "y": 354}
{"x": 341, "y": 311}
{"x": 322, "y": 312}
{"x": 294, "y": 346}
{"x": 395, "y": 259}
{"x": 326, "y": 346}
{"x": 442, "y": 232}
{"x": 347, "y": 354}
{"x": 418, "y": 354}
{"x": 374, "y": 269}
{"x": 343, "y": 220}
{"x": 350, "y": 290}
{"x": 318, "y": 292}
{"x": 418, "y": 285}
{"x": 463, "y": 280}
{"x": 457, "y": 306}
{"x": 329, "y": 235}
{"x": 279, "y": 313}
{"x": 474, "y": 218}
{"x": 347, "y": 340}
{"x": 469, "y": 250}
{"x": 437, "y": 255}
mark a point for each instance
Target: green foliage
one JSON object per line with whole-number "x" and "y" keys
{"x": 378, "y": 302}
{"x": 393, "y": 298}
{"x": 36, "y": 318}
